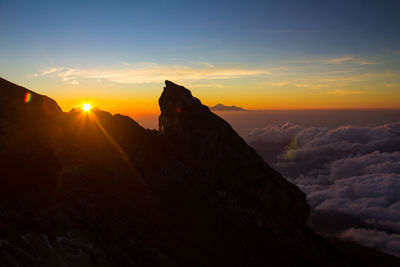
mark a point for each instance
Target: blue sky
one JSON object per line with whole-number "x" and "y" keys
{"x": 299, "y": 38}
{"x": 228, "y": 30}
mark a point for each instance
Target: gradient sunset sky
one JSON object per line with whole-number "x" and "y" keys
{"x": 255, "y": 54}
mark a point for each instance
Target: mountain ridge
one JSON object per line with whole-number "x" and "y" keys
{"x": 96, "y": 189}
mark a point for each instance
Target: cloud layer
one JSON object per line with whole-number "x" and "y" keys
{"x": 151, "y": 73}
{"x": 376, "y": 239}
{"x": 348, "y": 170}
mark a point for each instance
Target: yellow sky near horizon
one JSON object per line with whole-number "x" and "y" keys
{"x": 145, "y": 101}
{"x": 346, "y": 82}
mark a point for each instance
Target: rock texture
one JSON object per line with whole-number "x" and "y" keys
{"x": 95, "y": 189}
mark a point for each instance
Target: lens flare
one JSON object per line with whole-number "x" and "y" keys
{"x": 86, "y": 107}
{"x": 28, "y": 97}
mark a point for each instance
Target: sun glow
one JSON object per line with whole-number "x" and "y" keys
{"x": 86, "y": 107}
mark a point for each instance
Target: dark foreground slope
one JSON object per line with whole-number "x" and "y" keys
{"x": 95, "y": 189}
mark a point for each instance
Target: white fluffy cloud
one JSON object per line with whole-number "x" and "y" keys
{"x": 348, "y": 169}
{"x": 375, "y": 198}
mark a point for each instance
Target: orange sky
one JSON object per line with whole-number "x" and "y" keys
{"x": 261, "y": 55}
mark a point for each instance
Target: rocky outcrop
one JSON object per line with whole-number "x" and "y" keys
{"x": 96, "y": 189}
{"x": 234, "y": 169}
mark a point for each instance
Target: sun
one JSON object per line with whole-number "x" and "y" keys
{"x": 86, "y": 107}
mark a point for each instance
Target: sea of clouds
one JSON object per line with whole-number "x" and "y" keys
{"x": 352, "y": 170}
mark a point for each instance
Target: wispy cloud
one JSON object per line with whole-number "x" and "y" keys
{"x": 340, "y": 92}
{"x": 152, "y": 73}
{"x": 49, "y": 71}
{"x": 348, "y": 59}
{"x": 276, "y": 83}
{"x": 206, "y": 85}
{"x": 363, "y": 77}
{"x": 312, "y": 86}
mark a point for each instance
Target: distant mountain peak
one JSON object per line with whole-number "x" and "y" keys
{"x": 222, "y": 107}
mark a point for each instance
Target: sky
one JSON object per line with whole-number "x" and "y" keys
{"x": 254, "y": 54}
{"x": 259, "y": 55}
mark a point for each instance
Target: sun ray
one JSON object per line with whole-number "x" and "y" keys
{"x": 120, "y": 150}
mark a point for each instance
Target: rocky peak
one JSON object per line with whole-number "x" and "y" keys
{"x": 185, "y": 119}
{"x": 179, "y": 109}
{"x": 234, "y": 167}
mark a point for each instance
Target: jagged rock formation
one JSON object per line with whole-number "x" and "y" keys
{"x": 95, "y": 189}
{"x": 234, "y": 169}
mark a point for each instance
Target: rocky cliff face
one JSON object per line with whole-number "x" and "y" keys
{"x": 232, "y": 168}
{"x": 95, "y": 189}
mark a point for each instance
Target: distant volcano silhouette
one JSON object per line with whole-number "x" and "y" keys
{"x": 221, "y": 107}
{"x": 95, "y": 189}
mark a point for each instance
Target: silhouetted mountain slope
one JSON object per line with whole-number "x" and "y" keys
{"x": 234, "y": 169}
{"x": 13, "y": 104}
{"x": 95, "y": 189}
